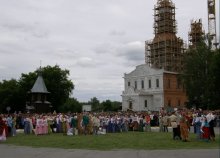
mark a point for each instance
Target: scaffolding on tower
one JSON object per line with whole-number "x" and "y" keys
{"x": 196, "y": 33}
{"x": 166, "y": 50}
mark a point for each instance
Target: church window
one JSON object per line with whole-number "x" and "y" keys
{"x": 135, "y": 84}
{"x": 149, "y": 83}
{"x": 145, "y": 103}
{"x": 157, "y": 83}
{"x": 142, "y": 84}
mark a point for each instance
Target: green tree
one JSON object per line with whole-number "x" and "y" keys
{"x": 71, "y": 105}
{"x": 10, "y": 95}
{"x": 96, "y": 106}
{"x": 198, "y": 75}
{"x": 215, "y": 81}
{"x": 107, "y": 105}
{"x": 116, "y": 106}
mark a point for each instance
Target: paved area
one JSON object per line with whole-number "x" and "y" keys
{"x": 10, "y": 151}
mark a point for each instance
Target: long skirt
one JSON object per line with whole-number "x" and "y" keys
{"x": 184, "y": 132}
{"x": 39, "y": 130}
{"x": 205, "y": 133}
{"x": 3, "y": 136}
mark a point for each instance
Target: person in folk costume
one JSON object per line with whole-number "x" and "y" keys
{"x": 90, "y": 126}
{"x": 178, "y": 114}
{"x": 141, "y": 123}
{"x": 117, "y": 123}
{"x": 14, "y": 125}
{"x": 135, "y": 123}
{"x": 31, "y": 124}
{"x": 125, "y": 123}
{"x": 174, "y": 125}
{"x": 80, "y": 123}
{"x": 54, "y": 123}
{"x": 193, "y": 122}
{"x": 184, "y": 129}
{"x": 57, "y": 123}
{"x": 68, "y": 121}
{"x": 95, "y": 123}
{"x": 63, "y": 123}
{"x": 50, "y": 124}
{"x": 166, "y": 122}
{"x": 33, "y": 119}
{"x": 107, "y": 123}
{"x": 9, "y": 124}
{"x": 210, "y": 118}
{"x": 160, "y": 122}
{"x": 198, "y": 123}
{"x": 85, "y": 123}
{"x": 27, "y": 125}
{"x": 3, "y": 127}
{"x": 74, "y": 124}
{"x": 205, "y": 129}
{"x": 45, "y": 125}
{"x": 147, "y": 125}
{"x": 39, "y": 126}
{"x": 111, "y": 124}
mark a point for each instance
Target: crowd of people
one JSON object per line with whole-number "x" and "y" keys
{"x": 112, "y": 122}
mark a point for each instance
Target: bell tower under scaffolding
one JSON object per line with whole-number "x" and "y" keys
{"x": 166, "y": 50}
{"x": 196, "y": 33}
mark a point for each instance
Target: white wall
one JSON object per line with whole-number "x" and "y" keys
{"x": 153, "y": 95}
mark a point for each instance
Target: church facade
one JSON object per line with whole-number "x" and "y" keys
{"x": 147, "y": 88}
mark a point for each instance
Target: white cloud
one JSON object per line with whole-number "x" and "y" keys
{"x": 85, "y": 62}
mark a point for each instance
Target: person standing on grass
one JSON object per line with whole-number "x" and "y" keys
{"x": 198, "y": 123}
{"x": 95, "y": 124}
{"x": 184, "y": 129}
{"x": 3, "y": 127}
{"x": 165, "y": 120}
{"x": 85, "y": 123}
{"x": 74, "y": 123}
{"x": 14, "y": 125}
{"x": 205, "y": 130}
{"x": 9, "y": 124}
{"x": 210, "y": 118}
{"x": 161, "y": 122}
{"x": 173, "y": 121}
{"x": 147, "y": 125}
{"x": 27, "y": 125}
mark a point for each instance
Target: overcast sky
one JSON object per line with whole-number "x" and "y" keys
{"x": 97, "y": 40}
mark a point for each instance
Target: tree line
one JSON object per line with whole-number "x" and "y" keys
{"x": 14, "y": 93}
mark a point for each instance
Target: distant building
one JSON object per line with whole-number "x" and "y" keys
{"x": 148, "y": 88}
{"x": 38, "y": 97}
{"x": 87, "y": 108}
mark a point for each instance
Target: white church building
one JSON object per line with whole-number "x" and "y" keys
{"x": 147, "y": 88}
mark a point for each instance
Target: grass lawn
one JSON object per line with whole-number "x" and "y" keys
{"x": 130, "y": 140}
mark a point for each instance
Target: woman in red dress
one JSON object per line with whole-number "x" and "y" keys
{"x": 205, "y": 130}
{"x": 3, "y": 129}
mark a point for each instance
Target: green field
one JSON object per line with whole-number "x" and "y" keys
{"x": 130, "y": 140}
